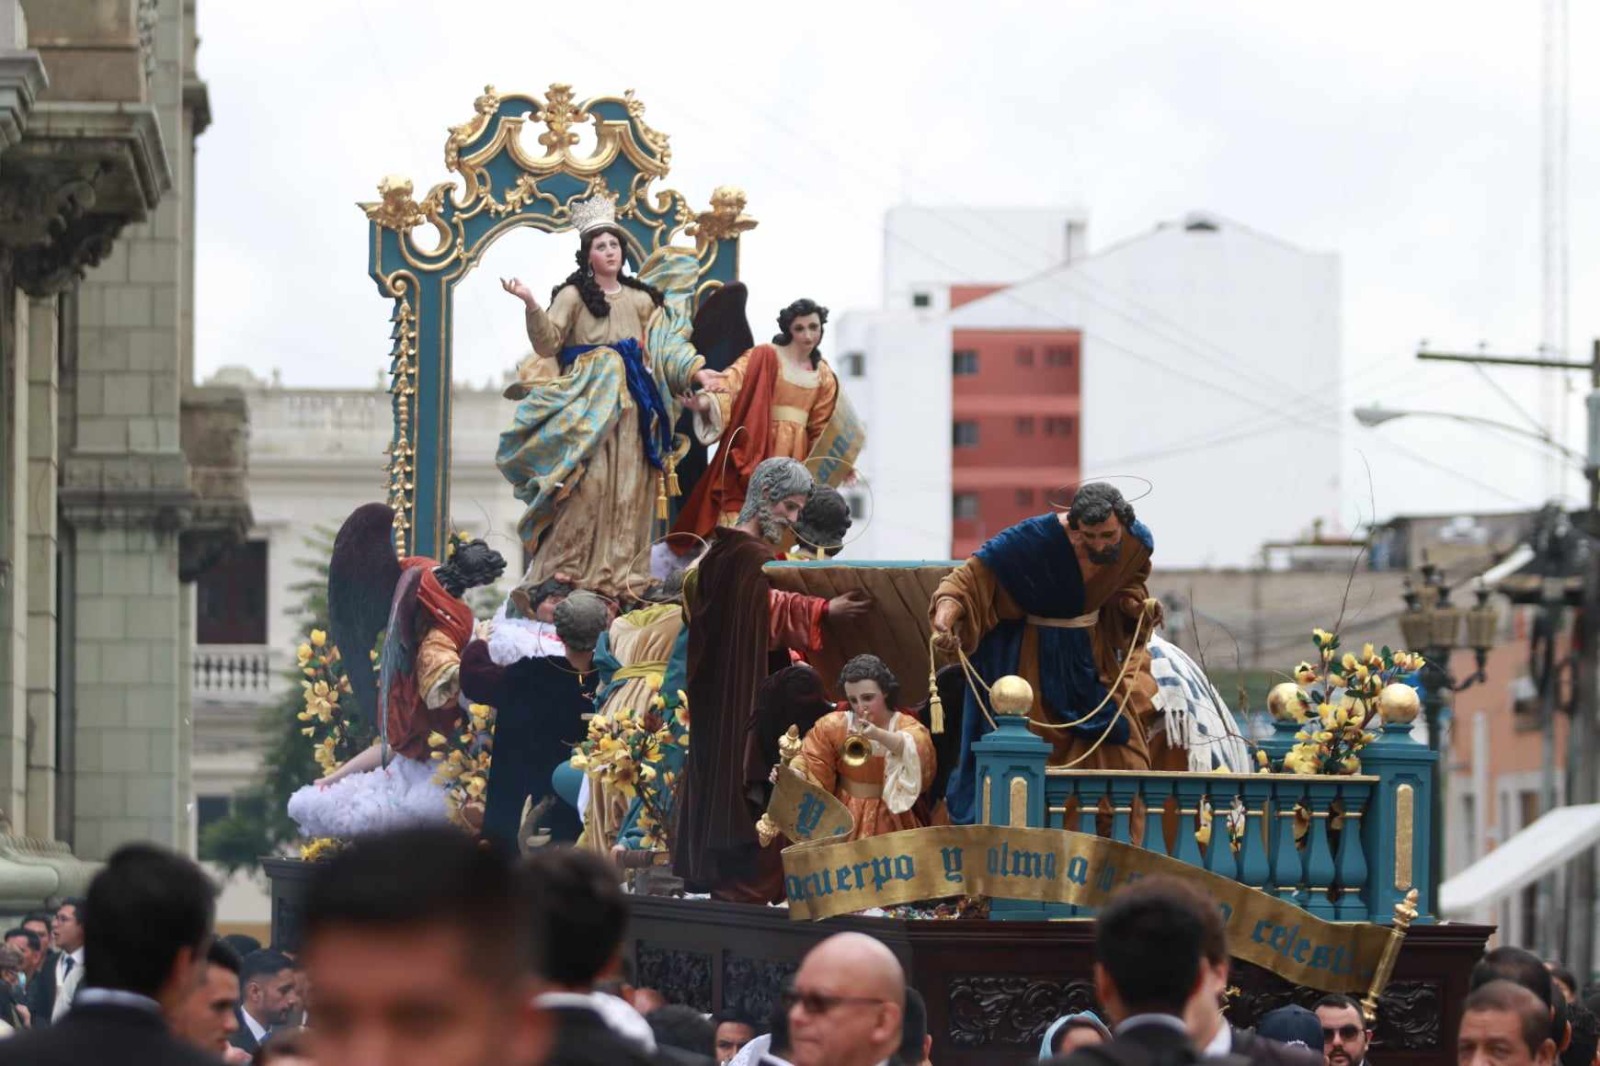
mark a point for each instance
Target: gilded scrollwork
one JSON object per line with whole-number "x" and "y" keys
{"x": 559, "y": 115}
{"x": 725, "y": 219}
{"x": 403, "y": 389}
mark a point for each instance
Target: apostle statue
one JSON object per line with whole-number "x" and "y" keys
{"x": 1058, "y": 600}
{"x": 739, "y": 627}
{"x": 775, "y": 400}
{"x": 881, "y": 773}
{"x": 590, "y": 447}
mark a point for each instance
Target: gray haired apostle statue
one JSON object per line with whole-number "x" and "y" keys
{"x": 739, "y": 631}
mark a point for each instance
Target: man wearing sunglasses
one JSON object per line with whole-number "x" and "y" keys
{"x": 1345, "y": 1035}
{"x": 847, "y": 1004}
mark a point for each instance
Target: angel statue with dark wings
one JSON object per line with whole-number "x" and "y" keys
{"x": 417, "y": 604}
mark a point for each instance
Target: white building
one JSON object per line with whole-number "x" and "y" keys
{"x": 1210, "y": 366}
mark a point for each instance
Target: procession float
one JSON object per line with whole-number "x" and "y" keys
{"x": 964, "y": 759}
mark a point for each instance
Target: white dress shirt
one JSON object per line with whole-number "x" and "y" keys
{"x": 257, "y": 1030}
{"x": 69, "y": 974}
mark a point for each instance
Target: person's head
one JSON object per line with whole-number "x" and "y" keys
{"x": 1580, "y": 1051}
{"x": 66, "y": 926}
{"x": 39, "y": 923}
{"x": 733, "y": 1030}
{"x": 27, "y": 945}
{"x": 916, "y": 1043}
{"x": 1504, "y": 1024}
{"x": 778, "y": 492}
{"x": 1345, "y": 1034}
{"x": 1204, "y": 1014}
{"x": 539, "y": 601}
{"x": 418, "y": 951}
{"x": 1566, "y": 981}
{"x": 580, "y": 915}
{"x": 601, "y": 258}
{"x": 1070, "y": 1032}
{"x": 10, "y": 965}
{"x": 869, "y": 686}
{"x": 145, "y": 925}
{"x": 1150, "y": 943}
{"x": 847, "y": 1004}
{"x": 268, "y": 987}
{"x": 241, "y": 943}
{"x": 206, "y": 1017}
{"x": 287, "y": 1047}
{"x": 580, "y": 619}
{"x": 801, "y": 325}
{"x": 1098, "y": 519}
{"x": 684, "y": 1028}
{"x": 472, "y": 565}
{"x": 600, "y": 252}
{"x": 1293, "y": 1026}
{"x": 824, "y": 521}
{"x": 1526, "y": 969}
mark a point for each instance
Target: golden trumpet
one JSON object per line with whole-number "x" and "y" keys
{"x": 857, "y": 750}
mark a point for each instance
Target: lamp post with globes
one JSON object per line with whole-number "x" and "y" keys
{"x": 1432, "y": 626}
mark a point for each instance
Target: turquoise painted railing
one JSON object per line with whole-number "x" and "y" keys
{"x": 1345, "y": 848}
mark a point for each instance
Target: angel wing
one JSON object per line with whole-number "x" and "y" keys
{"x": 721, "y": 334}
{"x": 397, "y": 660}
{"x": 362, "y": 575}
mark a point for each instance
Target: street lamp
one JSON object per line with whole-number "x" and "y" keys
{"x": 1375, "y": 415}
{"x": 1431, "y": 626}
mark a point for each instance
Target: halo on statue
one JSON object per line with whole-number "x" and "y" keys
{"x": 1068, "y": 491}
{"x": 858, "y": 524}
{"x": 680, "y": 545}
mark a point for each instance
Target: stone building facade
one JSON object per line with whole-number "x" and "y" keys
{"x": 120, "y": 481}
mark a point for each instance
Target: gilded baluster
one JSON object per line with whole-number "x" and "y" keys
{"x": 1191, "y": 790}
{"x": 1288, "y": 862}
{"x": 1352, "y": 857}
{"x": 1219, "y": 855}
{"x": 1123, "y": 789}
{"x": 1253, "y": 868}
{"x": 1156, "y": 792}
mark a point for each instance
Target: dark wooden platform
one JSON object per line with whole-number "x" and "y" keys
{"x": 993, "y": 987}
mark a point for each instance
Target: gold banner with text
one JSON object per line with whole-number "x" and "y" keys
{"x": 826, "y": 877}
{"x": 805, "y": 812}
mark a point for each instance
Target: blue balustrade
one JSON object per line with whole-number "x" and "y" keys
{"x": 1343, "y": 847}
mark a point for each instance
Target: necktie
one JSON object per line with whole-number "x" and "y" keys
{"x": 66, "y": 966}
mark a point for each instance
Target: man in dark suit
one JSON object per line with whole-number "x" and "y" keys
{"x": 1150, "y": 947}
{"x": 268, "y": 994}
{"x": 581, "y": 917}
{"x": 148, "y": 923}
{"x": 41, "y": 988}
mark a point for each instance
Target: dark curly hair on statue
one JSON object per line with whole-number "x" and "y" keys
{"x": 795, "y": 310}
{"x": 1096, "y": 502}
{"x": 589, "y": 290}
{"x": 871, "y": 668}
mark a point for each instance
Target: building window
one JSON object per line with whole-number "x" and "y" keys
{"x": 231, "y": 597}
{"x": 964, "y": 506}
{"x": 1060, "y": 427}
{"x": 1025, "y": 426}
{"x": 964, "y": 434}
{"x": 921, "y": 299}
{"x": 964, "y": 362}
{"x": 1058, "y": 357}
{"x": 1024, "y": 497}
{"x": 855, "y": 364}
{"x": 1024, "y": 356}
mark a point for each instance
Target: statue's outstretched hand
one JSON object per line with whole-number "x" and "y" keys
{"x": 852, "y": 604}
{"x": 945, "y": 617}
{"x": 519, "y": 288}
{"x": 711, "y": 381}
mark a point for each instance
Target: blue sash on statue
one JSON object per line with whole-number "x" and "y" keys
{"x": 655, "y": 428}
{"x": 1035, "y": 563}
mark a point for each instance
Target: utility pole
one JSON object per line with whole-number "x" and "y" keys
{"x": 1583, "y": 779}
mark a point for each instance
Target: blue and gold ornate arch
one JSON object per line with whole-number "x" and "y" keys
{"x": 421, "y": 249}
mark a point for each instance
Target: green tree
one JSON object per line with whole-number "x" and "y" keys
{"x": 259, "y": 823}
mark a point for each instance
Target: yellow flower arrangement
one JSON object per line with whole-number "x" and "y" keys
{"x": 461, "y": 765}
{"x": 320, "y": 849}
{"x": 1343, "y": 698}
{"x": 624, "y": 750}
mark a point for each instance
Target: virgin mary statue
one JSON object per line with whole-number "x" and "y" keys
{"x": 589, "y": 448}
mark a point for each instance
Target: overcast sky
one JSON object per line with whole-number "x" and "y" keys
{"x": 1405, "y": 137}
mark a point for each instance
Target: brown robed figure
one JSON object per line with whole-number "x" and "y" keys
{"x": 739, "y": 627}
{"x": 1057, "y": 600}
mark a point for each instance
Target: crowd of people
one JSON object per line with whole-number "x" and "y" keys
{"x": 422, "y": 947}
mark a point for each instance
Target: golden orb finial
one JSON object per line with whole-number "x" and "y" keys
{"x": 1011, "y": 695}
{"x": 1284, "y": 703}
{"x": 1398, "y": 703}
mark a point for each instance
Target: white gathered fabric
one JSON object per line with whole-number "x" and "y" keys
{"x": 511, "y": 639}
{"x": 1196, "y": 717}
{"x": 902, "y": 772}
{"x": 404, "y": 794}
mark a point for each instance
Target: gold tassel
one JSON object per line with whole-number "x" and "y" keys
{"x": 935, "y": 705}
{"x": 661, "y": 498}
{"x": 673, "y": 488}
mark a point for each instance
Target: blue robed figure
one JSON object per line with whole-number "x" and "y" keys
{"x": 1057, "y": 600}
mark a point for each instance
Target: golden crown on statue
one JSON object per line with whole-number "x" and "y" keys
{"x": 599, "y": 210}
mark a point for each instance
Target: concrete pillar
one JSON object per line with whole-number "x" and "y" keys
{"x": 13, "y": 550}
{"x": 39, "y": 817}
